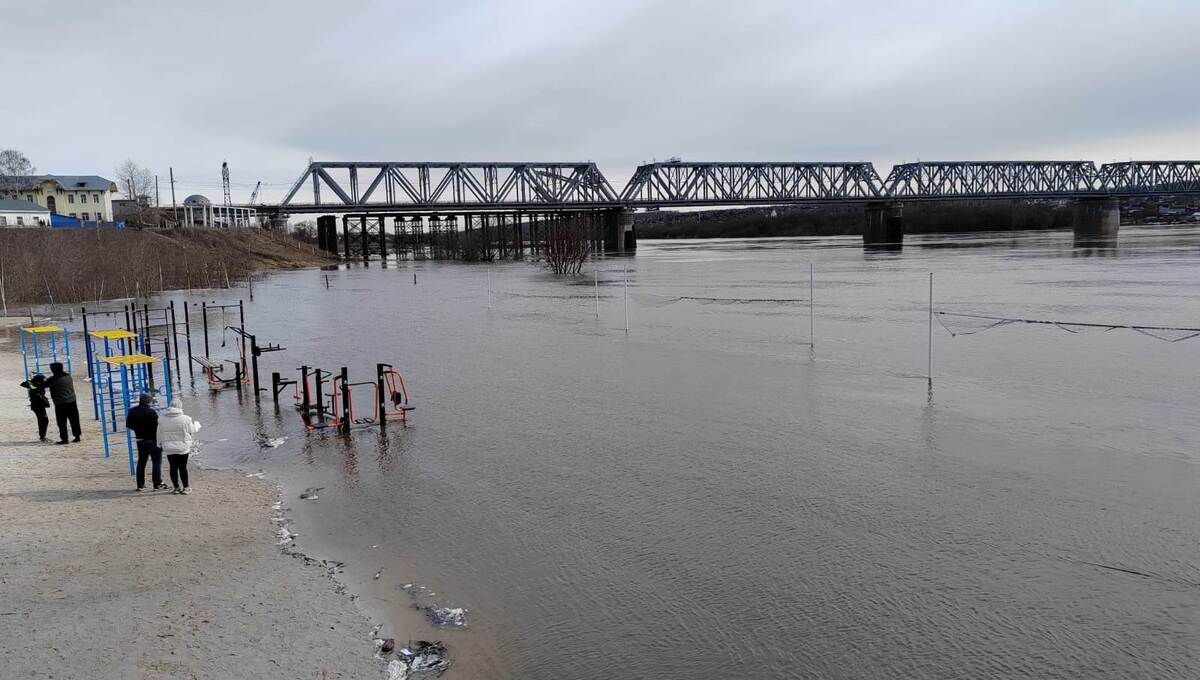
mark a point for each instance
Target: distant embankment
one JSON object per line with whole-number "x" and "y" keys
{"x": 73, "y": 265}
{"x": 848, "y": 220}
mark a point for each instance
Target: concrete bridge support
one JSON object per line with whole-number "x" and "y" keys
{"x": 884, "y": 224}
{"x": 619, "y": 231}
{"x": 1097, "y": 218}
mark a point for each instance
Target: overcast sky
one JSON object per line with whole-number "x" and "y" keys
{"x": 266, "y": 85}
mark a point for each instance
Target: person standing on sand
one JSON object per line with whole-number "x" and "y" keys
{"x": 176, "y": 432}
{"x": 143, "y": 420}
{"x": 38, "y": 403}
{"x": 62, "y": 393}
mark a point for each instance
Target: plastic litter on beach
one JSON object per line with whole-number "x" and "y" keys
{"x": 256, "y": 475}
{"x": 310, "y": 494}
{"x": 424, "y": 656}
{"x": 379, "y": 573}
{"x": 446, "y": 616}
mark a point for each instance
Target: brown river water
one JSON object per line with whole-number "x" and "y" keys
{"x": 708, "y": 496}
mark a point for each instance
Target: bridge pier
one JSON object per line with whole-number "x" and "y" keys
{"x": 1097, "y": 218}
{"x": 620, "y": 234}
{"x": 884, "y": 224}
{"x": 327, "y": 238}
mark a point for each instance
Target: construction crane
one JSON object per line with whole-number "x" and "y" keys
{"x": 254, "y": 194}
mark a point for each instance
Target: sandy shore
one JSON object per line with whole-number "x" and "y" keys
{"x": 99, "y": 581}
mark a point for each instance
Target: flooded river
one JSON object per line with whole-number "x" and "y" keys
{"x": 708, "y": 496}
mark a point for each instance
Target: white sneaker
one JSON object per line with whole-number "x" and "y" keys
{"x": 186, "y": 490}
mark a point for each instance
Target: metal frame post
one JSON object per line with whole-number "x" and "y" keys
{"x": 345, "y": 425}
{"x": 383, "y": 399}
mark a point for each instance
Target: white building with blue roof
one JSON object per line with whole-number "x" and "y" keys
{"x": 19, "y": 213}
{"x": 83, "y": 197}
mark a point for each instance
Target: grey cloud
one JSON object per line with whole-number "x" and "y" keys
{"x": 267, "y": 85}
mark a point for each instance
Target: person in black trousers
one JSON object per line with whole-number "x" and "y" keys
{"x": 38, "y": 403}
{"x": 62, "y": 393}
{"x": 143, "y": 420}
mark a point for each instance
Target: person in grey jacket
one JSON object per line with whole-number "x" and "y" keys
{"x": 62, "y": 393}
{"x": 176, "y": 434}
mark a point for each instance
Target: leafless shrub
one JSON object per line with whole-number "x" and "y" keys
{"x": 568, "y": 244}
{"x": 74, "y": 265}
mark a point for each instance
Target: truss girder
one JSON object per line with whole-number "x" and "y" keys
{"x": 437, "y": 185}
{"x": 676, "y": 183}
{"x": 991, "y": 179}
{"x": 1150, "y": 177}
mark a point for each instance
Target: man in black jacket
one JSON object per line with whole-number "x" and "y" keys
{"x": 38, "y": 403}
{"x": 62, "y": 393}
{"x": 143, "y": 420}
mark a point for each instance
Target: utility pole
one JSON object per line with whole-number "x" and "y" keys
{"x": 157, "y": 203}
{"x": 172, "y": 171}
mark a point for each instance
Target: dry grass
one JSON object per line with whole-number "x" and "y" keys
{"x": 60, "y": 265}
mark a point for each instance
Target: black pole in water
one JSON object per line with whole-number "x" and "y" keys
{"x": 204, "y": 321}
{"x": 320, "y": 398}
{"x": 275, "y": 387}
{"x": 187, "y": 327}
{"x": 383, "y": 398}
{"x": 345, "y": 425}
{"x": 254, "y": 364}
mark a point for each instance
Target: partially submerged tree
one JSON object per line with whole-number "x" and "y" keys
{"x": 568, "y": 243}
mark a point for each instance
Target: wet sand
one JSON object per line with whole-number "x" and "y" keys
{"x": 100, "y": 581}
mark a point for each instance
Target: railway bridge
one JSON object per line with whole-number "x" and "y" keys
{"x": 425, "y": 199}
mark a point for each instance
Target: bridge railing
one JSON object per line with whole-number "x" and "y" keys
{"x": 354, "y": 185}
{"x": 678, "y": 183}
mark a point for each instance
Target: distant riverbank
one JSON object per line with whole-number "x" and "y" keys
{"x": 44, "y": 266}
{"x": 774, "y": 221}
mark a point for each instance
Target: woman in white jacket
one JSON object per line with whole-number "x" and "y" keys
{"x": 176, "y": 432}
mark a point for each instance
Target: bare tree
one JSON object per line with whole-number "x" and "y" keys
{"x": 305, "y": 230}
{"x": 568, "y": 243}
{"x": 14, "y": 167}
{"x": 137, "y": 183}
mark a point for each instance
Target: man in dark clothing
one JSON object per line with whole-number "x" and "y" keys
{"x": 62, "y": 393}
{"x": 38, "y": 402}
{"x": 143, "y": 420}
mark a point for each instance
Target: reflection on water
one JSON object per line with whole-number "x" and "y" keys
{"x": 710, "y": 497}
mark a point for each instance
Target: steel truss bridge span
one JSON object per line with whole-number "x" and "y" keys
{"x": 392, "y": 186}
{"x": 373, "y": 187}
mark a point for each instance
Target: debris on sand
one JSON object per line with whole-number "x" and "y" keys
{"x": 257, "y": 475}
{"x": 397, "y": 670}
{"x": 450, "y": 617}
{"x": 423, "y": 656}
{"x": 286, "y": 537}
{"x": 388, "y": 646}
{"x": 310, "y": 494}
{"x": 379, "y": 573}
